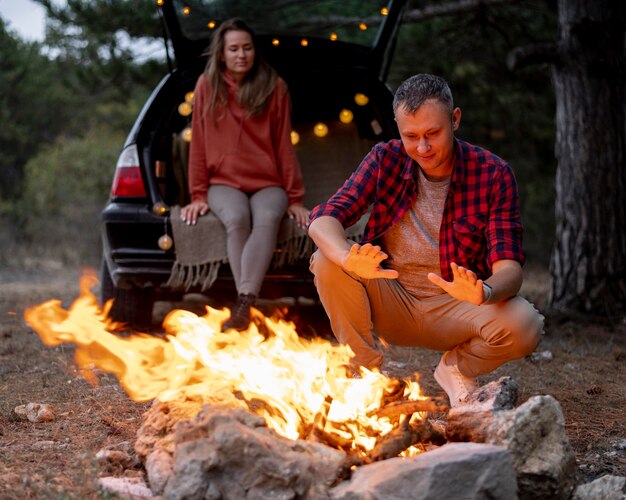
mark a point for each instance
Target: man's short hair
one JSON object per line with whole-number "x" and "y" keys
{"x": 412, "y": 93}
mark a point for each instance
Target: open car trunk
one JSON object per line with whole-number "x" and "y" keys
{"x": 332, "y": 82}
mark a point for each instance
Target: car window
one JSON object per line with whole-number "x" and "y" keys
{"x": 354, "y": 21}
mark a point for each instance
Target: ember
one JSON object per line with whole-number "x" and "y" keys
{"x": 304, "y": 389}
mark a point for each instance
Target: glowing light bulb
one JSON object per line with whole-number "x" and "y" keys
{"x": 304, "y": 42}
{"x": 384, "y": 11}
{"x": 333, "y": 37}
{"x": 361, "y": 99}
{"x": 295, "y": 137}
{"x": 275, "y": 42}
{"x": 165, "y": 242}
{"x": 186, "y": 10}
{"x": 184, "y": 108}
{"x": 362, "y": 26}
{"x": 186, "y": 134}
{"x": 320, "y": 129}
{"x": 160, "y": 2}
{"x": 159, "y": 208}
{"x": 345, "y": 116}
{"x": 189, "y": 97}
{"x": 211, "y": 25}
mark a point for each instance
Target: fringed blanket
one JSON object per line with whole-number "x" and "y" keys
{"x": 201, "y": 249}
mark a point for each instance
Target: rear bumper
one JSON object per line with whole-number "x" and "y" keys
{"x": 130, "y": 234}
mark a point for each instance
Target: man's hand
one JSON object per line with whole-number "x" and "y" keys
{"x": 365, "y": 260}
{"x": 464, "y": 286}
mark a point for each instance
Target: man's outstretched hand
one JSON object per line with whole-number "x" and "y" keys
{"x": 365, "y": 260}
{"x": 464, "y": 286}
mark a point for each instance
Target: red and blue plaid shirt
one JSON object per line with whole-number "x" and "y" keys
{"x": 480, "y": 223}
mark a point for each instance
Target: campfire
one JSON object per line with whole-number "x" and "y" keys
{"x": 265, "y": 413}
{"x": 303, "y": 389}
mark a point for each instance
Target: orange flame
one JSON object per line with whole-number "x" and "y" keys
{"x": 294, "y": 382}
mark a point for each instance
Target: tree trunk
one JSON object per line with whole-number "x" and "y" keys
{"x": 588, "y": 263}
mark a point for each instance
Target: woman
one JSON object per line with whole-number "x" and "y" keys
{"x": 241, "y": 162}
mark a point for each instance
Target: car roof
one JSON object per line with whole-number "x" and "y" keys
{"x": 324, "y": 33}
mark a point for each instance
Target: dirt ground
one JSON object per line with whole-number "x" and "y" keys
{"x": 57, "y": 459}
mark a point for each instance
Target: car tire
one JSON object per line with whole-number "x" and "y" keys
{"x": 132, "y": 306}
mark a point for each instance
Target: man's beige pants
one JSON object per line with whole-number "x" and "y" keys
{"x": 483, "y": 337}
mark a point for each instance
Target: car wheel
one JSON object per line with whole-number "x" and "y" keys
{"x": 130, "y": 305}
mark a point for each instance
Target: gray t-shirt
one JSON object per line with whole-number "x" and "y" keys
{"x": 413, "y": 242}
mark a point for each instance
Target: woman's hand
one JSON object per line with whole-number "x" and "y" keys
{"x": 190, "y": 213}
{"x": 300, "y": 214}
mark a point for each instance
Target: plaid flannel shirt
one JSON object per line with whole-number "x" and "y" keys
{"x": 480, "y": 223}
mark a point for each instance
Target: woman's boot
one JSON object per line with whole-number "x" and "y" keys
{"x": 240, "y": 314}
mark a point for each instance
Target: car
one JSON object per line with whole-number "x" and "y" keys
{"x": 334, "y": 66}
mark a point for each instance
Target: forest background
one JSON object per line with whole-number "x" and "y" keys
{"x": 67, "y": 103}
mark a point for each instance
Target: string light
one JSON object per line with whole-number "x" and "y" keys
{"x": 384, "y": 11}
{"x": 333, "y": 37}
{"x": 362, "y": 26}
{"x": 160, "y": 2}
{"x": 160, "y": 208}
{"x": 275, "y": 42}
{"x": 186, "y": 10}
{"x": 295, "y": 137}
{"x": 189, "y": 97}
{"x": 361, "y": 99}
{"x": 345, "y": 116}
{"x": 165, "y": 242}
{"x": 184, "y": 109}
{"x": 211, "y": 25}
{"x": 304, "y": 42}
{"x": 320, "y": 129}
{"x": 186, "y": 134}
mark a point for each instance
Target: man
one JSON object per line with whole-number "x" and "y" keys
{"x": 445, "y": 222}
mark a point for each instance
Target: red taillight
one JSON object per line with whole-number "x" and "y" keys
{"x": 128, "y": 181}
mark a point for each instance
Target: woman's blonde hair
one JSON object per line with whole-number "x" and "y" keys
{"x": 257, "y": 85}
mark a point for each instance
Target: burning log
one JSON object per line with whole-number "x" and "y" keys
{"x": 394, "y": 391}
{"x": 349, "y": 464}
{"x": 319, "y": 421}
{"x": 397, "y": 408}
{"x": 403, "y": 437}
{"x": 332, "y": 437}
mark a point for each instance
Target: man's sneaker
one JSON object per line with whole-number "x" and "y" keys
{"x": 451, "y": 380}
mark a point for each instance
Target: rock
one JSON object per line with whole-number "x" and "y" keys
{"x": 36, "y": 412}
{"x": 227, "y": 453}
{"x": 157, "y": 428}
{"x": 541, "y": 451}
{"x": 534, "y": 434}
{"x": 480, "y": 415}
{"x": 116, "y": 457}
{"x": 604, "y": 488}
{"x": 620, "y": 444}
{"x": 43, "y": 445}
{"x": 539, "y": 356}
{"x": 159, "y": 465}
{"x": 132, "y": 488}
{"x": 119, "y": 455}
{"x": 455, "y": 470}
